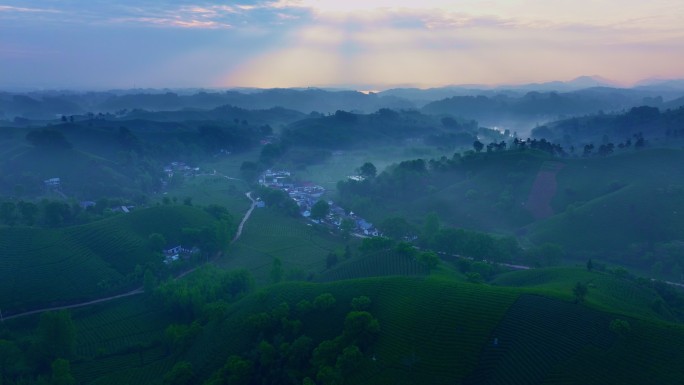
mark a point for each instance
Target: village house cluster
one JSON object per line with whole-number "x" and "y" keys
{"x": 306, "y": 194}
{"x": 180, "y": 167}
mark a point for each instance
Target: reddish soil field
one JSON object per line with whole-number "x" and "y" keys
{"x": 543, "y": 190}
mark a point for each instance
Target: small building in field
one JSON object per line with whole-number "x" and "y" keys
{"x": 52, "y": 182}
{"x": 175, "y": 253}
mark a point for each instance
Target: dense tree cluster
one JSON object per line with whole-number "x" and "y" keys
{"x": 278, "y": 200}
{"x": 190, "y": 298}
{"x": 43, "y": 358}
{"x": 285, "y": 354}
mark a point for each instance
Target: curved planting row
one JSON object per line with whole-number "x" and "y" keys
{"x": 147, "y": 366}
{"x": 376, "y": 265}
{"x": 536, "y": 334}
{"x": 646, "y": 353}
{"x": 41, "y": 267}
{"x": 432, "y": 331}
{"x": 119, "y": 326}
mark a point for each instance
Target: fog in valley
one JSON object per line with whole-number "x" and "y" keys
{"x": 317, "y": 192}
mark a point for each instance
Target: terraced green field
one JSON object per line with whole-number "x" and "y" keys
{"x": 375, "y": 265}
{"x": 605, "y": 290}
{"x": 121, "y": 341}
{"x": 537, "y": 334}
{"x": 434, "y": 331}
{"x": 40, "y": 267}
{"x": 431, "y": 330}
{"x": 650, "y": 353}
{"x": 269, "y": 235}
{"x": 441, "y": 332}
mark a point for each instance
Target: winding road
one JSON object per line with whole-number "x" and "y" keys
{"x": 137, "y": 291}
{"x": 246, "y": 217}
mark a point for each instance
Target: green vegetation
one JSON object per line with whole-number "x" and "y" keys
{"x": 43, "y": 266}
{"x": 301, "y": 249}
{"x": 399, "y": 330}
{"x": 289, "y": 300}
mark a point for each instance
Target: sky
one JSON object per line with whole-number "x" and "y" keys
{"x": 360, "y": 44}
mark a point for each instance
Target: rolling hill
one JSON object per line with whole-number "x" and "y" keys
{"x": 430, "y": 331}
{"x": 57, "y": 266}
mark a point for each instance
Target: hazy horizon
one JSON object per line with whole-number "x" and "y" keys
{"x": 364, "y": 45}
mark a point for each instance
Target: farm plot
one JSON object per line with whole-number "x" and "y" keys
{"x": 268, "y": 235}
{"x": 215, "y": 189}
{"x": 648, "y": 353}
{"x": 114, "y": 327}
{"x": 432, "y": 331}
{"x": 143, "y": 367}
{"x": 376, "y": 265}
{"x": 40, "y": 266}
{"x": 606, "y": 291}
{"x": 524, "y": 349}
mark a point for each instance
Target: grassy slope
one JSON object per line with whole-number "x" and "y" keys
{"x": 215, "y": 189}
{"x": 82, "y": 174}
{"x": 432, "y": 331}
{"x": 425, "y": 333}
{"x": 268, "y": 235}
{"x": 629, "y": 198}
{"x": 470, "y": 199}
{"x": 606, "y": 291}
{"x": 41, "y": 266}
{"x": 439, "y": 332}
{"x": 383, "y": 263}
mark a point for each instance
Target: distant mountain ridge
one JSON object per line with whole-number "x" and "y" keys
{"x": 594, "y": 92}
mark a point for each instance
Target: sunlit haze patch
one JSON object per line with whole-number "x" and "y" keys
{"x": 371, "y": 44}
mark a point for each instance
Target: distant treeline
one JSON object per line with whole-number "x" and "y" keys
{"x": 643, "y": 121}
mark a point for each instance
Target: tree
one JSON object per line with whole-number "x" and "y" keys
{"x": 620, "y": 327}
{"x": 474, "y": 277}
{"x": 56, "y": 213}
{"x": 368, "y": 170}
{"x": 10, "y": 359}
{"x": 320, "y": 209}
{"x": 324, "y": 301}
{"x": 331, "y": 260}
{"x": 361, "y": 327}
{"x": 580, "y": 291}
{"x": 236, "y": 371}
{"x": 429, "y": 259}
{"x": 346, "y": 227}
{"x": 347, "y": 252}
{"x": 28, "y": 212}
{"x": 180, "y": 374}
{"x": 149, "y": 281}
{"x": 590, "y": 265}
{"x": 349, "y": 360}
{"x": 56, "y": 335}
{"x": 430, "y": 227}
{"x": 478, "y": 146}
{"x": 249, "y": 170}
{"x": 396, "y": 227}
{"x": 61, "y": 372}
{"x": 277, "y": 270}
{"x": 157, "y": 242}
{"x": 8, "y": 213}
{"x": 361, "y": 303}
